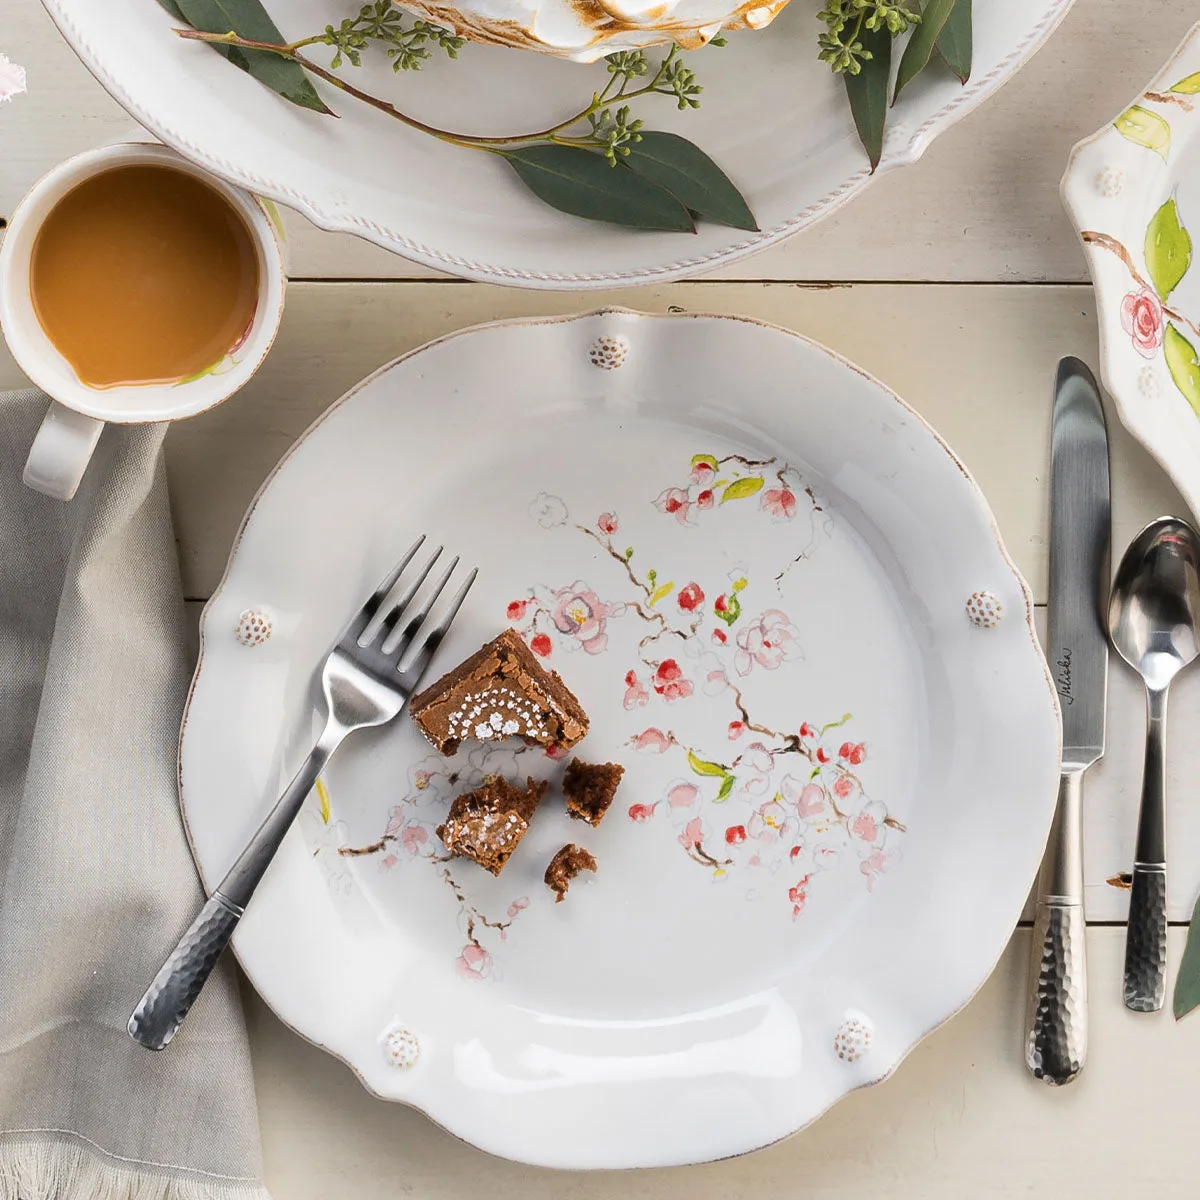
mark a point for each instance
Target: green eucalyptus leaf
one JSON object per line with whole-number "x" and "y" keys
{"x": 868, "y": 92}
{"x": 1168, "y": 249}
{"x": 1187, "y": 981}
{"x": 691, "y": 177}
{"x": 1189, "y": 86}
{"x": 584, "y": 184}
{"x": 955, "y": 42}
{"x": 916, "y": 56}
{"x": 173, "y": 8}
{"x": 248, "y": 19}
{"x": 1146, "y": 128}
{"x": 1183, "y": 365}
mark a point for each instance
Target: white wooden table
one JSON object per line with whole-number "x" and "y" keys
{"x": 966, "y": 318}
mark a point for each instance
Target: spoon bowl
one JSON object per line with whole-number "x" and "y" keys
{"x": 1153, "y": 615}
{"x": 1154, "y": 608}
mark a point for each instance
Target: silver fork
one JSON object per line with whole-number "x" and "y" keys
{"x": 367, "y": 679}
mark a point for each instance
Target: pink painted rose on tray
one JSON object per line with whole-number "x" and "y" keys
{"x": 1142, "y": 319}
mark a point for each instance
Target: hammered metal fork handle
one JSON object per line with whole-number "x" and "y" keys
{"x": 1056, "y": 1022}
{"x": 180, "y": 979}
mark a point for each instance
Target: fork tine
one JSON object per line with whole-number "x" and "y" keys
{"x": 397, "y": 606}
{"x": 422, "y": 653}
{"x": 368, "y": 611}
{"x": 414, "y": 621}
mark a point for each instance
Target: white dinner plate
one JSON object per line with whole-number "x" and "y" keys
{"x": 772, "y": 116}
{"x": 784, "y": 605}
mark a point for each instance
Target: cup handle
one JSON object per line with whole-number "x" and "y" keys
{"x": 61, "y": 452}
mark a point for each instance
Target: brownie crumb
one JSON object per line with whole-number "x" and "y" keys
{"x": 487, "y": 825}
{"x": 590, "y": 788}
{"x": 501, "y": 691}
{"x": 564, "y": 866}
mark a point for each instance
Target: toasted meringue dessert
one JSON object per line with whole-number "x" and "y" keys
{"x": 584, "y": 30}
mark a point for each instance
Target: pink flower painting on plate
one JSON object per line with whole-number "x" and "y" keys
{"x": 1142, "y": 319}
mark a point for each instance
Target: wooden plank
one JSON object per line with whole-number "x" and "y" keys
{"x": 982, "y": 204}
{"x": 961, "y": 1117}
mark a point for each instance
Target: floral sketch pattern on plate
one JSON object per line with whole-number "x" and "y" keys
{"x": 776, "y": 807}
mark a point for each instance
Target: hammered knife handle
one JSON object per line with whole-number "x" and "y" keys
{"x": 1056, "y": 1040}
{"x": 1146, "y": 940}
{"x": 1056, "y": 1032}
{"x": 170, "y": 996}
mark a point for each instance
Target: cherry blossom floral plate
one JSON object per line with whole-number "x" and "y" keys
{"x": 786, "y": 608}
{"x": 1133, "y": 192}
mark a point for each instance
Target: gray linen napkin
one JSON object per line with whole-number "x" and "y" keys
{"x": 96, "y": 881}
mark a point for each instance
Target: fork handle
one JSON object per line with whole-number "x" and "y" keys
{"x": 170, "y": 996}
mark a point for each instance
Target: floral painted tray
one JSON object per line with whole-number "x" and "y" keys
{"x": 1133, "y": 192}
{"x": 786, "y": 609}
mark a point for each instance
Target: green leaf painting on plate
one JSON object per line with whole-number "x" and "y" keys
{"x": 739, "y": 489}
{"x": 248, "y": 19}
{"x": 702, "y": 767}
{"x": 1189, "y": 86}
{"x": 1183, "y": 365}
{"x": 1145, "y": 128}
{"x": 1168, "y": 249}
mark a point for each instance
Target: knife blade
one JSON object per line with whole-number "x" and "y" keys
{"x": 1077, "y": 650}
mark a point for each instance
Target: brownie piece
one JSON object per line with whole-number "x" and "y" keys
{"x": 589, "y": 788}
{"x": 564, "y": 866}
{"x": 500, "y": 691}
{"x": 487, "y": 824}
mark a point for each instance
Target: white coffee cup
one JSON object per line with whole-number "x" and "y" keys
{"x": 64, "y": 444}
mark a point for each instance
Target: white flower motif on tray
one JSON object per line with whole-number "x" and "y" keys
{"x": 12, "y": 79}
{"x": 254, "y": 626}
{"x": 401, "y": 1047}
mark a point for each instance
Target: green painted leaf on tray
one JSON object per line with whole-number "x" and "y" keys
{"x": 1146, "y": 128}
{"x": 934, "y": 15}
{"x": 955, "y": 42}
{"x": 248, "y": 19}
{"x": 1189, "y": 86}
{"x": 726, "y": 787}
{"x": 707, "y": 459}
{"x": 323, "y": 801}
{"x": 739, "y": 489}
{"x": 1168, "y": 249}
{"x": 868, "y": 92}
{"x": 691, "y": 177}
{"x": 705, "y": 768}
{"x": 1183, "y": 365}
{"x": 582, "y": 183}
{"x": 1187, "y": 981}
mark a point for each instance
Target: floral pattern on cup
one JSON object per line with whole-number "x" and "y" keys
{"x": 254, "y": 626}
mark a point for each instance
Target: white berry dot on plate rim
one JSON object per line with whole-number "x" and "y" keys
{"x": 401, "y": 1047}
{"x": 254, "y": 626}
{"x": 984, "y": 609}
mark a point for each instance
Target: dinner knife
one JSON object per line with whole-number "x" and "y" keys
{"x": 1077, "y": 650}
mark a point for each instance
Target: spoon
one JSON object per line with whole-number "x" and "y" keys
{"x": 1153, "y": 617}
